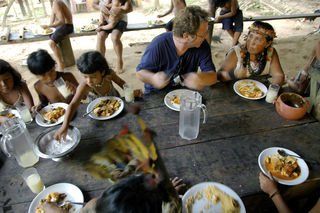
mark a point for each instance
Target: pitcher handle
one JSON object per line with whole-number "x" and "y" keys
{"x": 204, "y": 110}
{"x": 3, "y": 143}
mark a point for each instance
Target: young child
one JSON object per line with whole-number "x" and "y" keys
{"x": 98, "y": 78}
{"x": 109, "y": 21}
{"x": 13, "y": 90}
{"x": 176, "y": 6}
{"x": 41, "y": 64}
{"x": 231, "y": 18}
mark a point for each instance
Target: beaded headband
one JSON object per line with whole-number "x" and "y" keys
{"x": 262, "y": 31}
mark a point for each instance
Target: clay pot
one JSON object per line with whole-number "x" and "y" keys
{"x": 291, "y": 106}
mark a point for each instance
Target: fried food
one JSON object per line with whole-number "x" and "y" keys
{"x": 175, "y": 99}
{"x": 213, "y": 196}
{"x": 47, "y": 31}
{"x": 106, "y": 108}
{"x": 89, "y": 27}
{"x": 250, "y": 90}
{"x": 286, "y": 168}
{"x": 53, "y": 115}
{"x": 54, "y": 197}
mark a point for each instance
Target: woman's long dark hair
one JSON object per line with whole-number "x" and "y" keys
{"x": 6, "y": 67}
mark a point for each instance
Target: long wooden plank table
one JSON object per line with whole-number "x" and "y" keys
{"x": 226, "y": 150}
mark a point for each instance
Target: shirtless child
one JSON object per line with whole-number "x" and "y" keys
{"x": 41, "y": 64}
{"x": 109, "y": 21}
{"x": 231, "y": 18}
{"x": 176, "y": 6}
{"x": 61, "y": 19}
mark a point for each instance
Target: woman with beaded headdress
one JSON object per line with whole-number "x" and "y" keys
{"x": 255, "y": 58}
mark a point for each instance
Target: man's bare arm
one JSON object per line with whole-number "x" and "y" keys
{"x": 158, "y": 80}
{"x": 199, "y": 80}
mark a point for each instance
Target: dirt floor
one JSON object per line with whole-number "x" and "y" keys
{"x": 294, "y": 45}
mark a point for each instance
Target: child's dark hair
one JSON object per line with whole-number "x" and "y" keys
{"x": 40, "y": 62}
{"x": 91, "y": 62}
{"x": 6, "y": 67}
{"x": 132, "y": 194}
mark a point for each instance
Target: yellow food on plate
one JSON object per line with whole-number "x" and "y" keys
{"x": 89, "y": 27}
{"x": 286, "y": 168}
{"x": 47, "y": 31}
{"x": 250, "y": 90}
{"x": 213, "y": 196}
{"x": 106, "y": 108}
{"x": 53, "y": 115}
{"x": 175, "y": 99}
{"x": 54, "y": 197}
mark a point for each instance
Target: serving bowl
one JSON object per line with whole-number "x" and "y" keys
{"x": 291, "y": 106}
{"x": 47, "y": 147}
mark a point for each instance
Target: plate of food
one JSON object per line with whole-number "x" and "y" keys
{"x": 211, "y": 197}
{"x": 250, "y": 89}
{"x": 46, "y": 31}
{"x": 172, "y": 99}
{"x": 105, "y": 108}
{"x": 57, "y": 193}
{"x": 286, "y": 170}
{"x": 89, "y": 28}
{"x": 10, "y": 113}
{"x": 51, "y": 115}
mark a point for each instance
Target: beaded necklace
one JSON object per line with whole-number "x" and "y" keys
{"x": 257, "y": 70}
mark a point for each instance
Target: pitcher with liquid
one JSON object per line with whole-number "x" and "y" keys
{"x": 189, "y": 120}
{"x": 17, "y": 141}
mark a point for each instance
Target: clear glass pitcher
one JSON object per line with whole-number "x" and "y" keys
{"x": 189, "y": 120}
{"x": 17, "y": 141}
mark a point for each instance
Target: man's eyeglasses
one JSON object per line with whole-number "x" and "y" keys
{"x": 203, "y": 36}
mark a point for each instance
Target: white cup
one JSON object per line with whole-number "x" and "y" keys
{"x": 24, "y": 112}
{"x": 272, "y": 93}
{"x": 128, "y": 93}
{"x": 60, "y": 84}
{"x": 33, "y": 180}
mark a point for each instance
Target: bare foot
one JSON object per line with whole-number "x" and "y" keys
{"x": 119, "y": 71}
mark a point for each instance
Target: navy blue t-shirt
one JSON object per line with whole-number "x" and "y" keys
{"x": 161, "y": 55}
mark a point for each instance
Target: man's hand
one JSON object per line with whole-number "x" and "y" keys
{"x": 160, "y": 80}
{"x": 192, "y": 81}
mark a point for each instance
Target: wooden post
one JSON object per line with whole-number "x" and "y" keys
{"x": 66, "y": 51}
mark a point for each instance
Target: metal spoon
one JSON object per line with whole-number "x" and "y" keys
{"x": 87, "y": 113}
{"x": 62, "y": 203}
{"x": 283, "y": 153}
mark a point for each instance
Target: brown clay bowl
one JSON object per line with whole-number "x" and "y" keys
{"x": 291, "y": 106}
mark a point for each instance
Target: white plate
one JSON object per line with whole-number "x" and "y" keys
{"x": 243, "y": 82}
{"x": 73, "y": 193}
{"x": 41, "y": 31}
{"x": 39, "y": 119}
{"x": 273, "y": 150}
{"x": 89, "y": 27}
{"x": 199, "y": 205}
{"x": 178, "y": 92}
{"x": 96, "y": 101}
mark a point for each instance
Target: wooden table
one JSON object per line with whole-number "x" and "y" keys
{"x": 226, "y": 150}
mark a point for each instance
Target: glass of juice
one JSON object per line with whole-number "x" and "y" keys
{"x": 33, "y": 180}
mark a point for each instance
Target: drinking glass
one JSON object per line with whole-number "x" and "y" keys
{"x": 33, "y": 180}
{"x": 272, "y": 93}
{"x": 128, "y": 93}
{"x": 24, "y": 112}
{"x": 60, "y": 84}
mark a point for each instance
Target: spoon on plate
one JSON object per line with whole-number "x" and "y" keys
{"x": 87, "y": 113}
{"x": 62, "y": 203}
{"x": 283, "y": 153}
